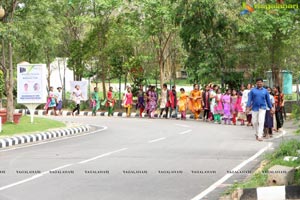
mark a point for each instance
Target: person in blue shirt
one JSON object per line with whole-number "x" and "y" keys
{"x": 258, "y": 101}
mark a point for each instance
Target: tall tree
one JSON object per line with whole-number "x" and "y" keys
{"x": 271, "y": 31}
{"x": 8, "y": 38}
{"x": 158, "y": 18}
{"x": 207, "y": 34}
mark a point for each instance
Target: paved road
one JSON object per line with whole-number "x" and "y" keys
{"x": 131, "y": 159}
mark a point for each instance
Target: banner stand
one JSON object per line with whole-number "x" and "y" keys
{"x": 31, "y": 107}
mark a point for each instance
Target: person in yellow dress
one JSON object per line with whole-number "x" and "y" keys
{"x": 183, "y": 103}
{"x": 196, "y": 101}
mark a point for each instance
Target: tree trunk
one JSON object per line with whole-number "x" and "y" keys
{"x": 3, "y": 67}
{"x": 103, "y": 77}
{"x": 10, "y": 85}
{"x": 162, "y": 70}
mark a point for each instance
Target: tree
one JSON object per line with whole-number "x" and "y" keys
{"x": 207, "y": 35}
{"x": 158, "y": 18}
{"x": 39, "y": 36}
{"x": 271, "y": 31}
{"x": 8, "y": 37}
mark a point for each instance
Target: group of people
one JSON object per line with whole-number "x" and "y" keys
{"x": 54, "y": 101}
{"x": 255, "y": 106}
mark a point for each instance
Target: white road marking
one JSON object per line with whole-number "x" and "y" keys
{"x": 55, "y": 140}
{"x": 185, "y": 132}
{"x": 101, "y": 156}
{"x": 227, "y": 176}
{"x": 156, "y": 140}
{"x": 182, "y": 125}
{"x": 32, "y": 178}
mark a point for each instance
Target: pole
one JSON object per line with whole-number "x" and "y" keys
{"x": 120, "y": 79}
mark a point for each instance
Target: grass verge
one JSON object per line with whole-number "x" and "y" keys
{"x": 259, "y": 178}
{"x": 39, "y": 124}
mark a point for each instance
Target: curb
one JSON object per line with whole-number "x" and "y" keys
{"x": 12, "y": 141}
{"x": 271, "y": 193}
{"x": 89, "y": 113}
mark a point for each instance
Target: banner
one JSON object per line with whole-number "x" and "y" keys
{"x": 31, "y": 83}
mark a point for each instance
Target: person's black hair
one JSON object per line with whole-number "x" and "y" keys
{"x": 259, "y": 79}
{"x": 165, "y": 85}
{"x": 182, "y": 89}
{"x": 173, "y": 86}
{"x": 278, "y": 88}
{"x": 194, "y": 85}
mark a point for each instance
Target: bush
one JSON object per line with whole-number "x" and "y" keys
{"x": 288, "y": 148}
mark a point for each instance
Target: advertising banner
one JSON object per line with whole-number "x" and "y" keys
{"x": 31, "y": 83}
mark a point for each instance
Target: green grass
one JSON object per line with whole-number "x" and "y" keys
{"x": 25, "y": 126}
{"x": 259, "y": 179}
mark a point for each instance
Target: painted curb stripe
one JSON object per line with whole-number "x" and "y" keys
{"x": 7, "y": 142}
{"x": 271, "y": 193}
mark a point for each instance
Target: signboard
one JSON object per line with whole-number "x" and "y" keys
{"x": 83, "y": 87}
{"x": 31, "y": 83}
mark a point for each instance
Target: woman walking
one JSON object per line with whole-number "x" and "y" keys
{"x": 152, "y": 101}
{"x": 59, "y": 100}
{"x": 240, "y": 110}
{"x": 196, "y": 101}
{"x": 163, "y": 101}
{"x": 77, "y": 97}
{"x": 226, "y": 106}
{"x": 279, "y": 104}
{"x": 233, "y": 105}
{"x": 110, "y": 103}
{"x": 128, "y": 101}
{"x": 172, "y": 101}
{"x": 244, "y": 104}
{"x": 182, "y": 103}
{"x": 218, "y": 109}
{"x": 95, "y": 101}
{"x": 51, "y": 101}
{"x": 206, "y": 103}
{"x": 268, "y": 132}
{"x": 141, "y": 101}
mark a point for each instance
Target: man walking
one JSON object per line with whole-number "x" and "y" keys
{"x": 258, "y": 101}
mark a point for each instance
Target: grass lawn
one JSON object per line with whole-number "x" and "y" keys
{"x": 39, "y": 124}
{"x": 259, "y": 179}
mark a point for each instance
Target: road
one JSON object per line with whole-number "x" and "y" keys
{"x": 132, "y": 159}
